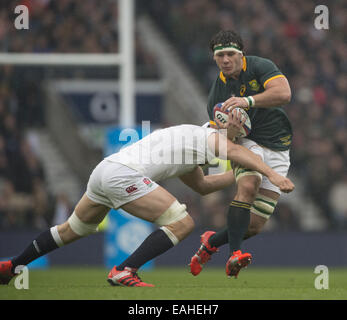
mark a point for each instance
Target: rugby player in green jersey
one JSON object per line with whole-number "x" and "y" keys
{"x": 257, "y": 85}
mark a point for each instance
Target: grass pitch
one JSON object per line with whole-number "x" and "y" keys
{"x": 87, "y": 283}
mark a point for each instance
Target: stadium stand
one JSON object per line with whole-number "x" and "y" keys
{"x": 285, "y": 34}
{"x": 283, "y": 31}
{"x": 25, "y": 201}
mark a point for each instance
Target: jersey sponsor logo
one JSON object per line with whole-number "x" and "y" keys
{"x": 255, "y": 86}
{"x": 131, "y": 188}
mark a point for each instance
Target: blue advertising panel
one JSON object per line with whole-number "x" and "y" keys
{"x": 124, "y": 232}
{"x": 96, "y": 107}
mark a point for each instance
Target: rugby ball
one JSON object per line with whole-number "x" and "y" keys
{"x": 223, "y": 116}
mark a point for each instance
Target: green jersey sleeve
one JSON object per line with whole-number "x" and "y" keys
{"x": 265, "y": 70}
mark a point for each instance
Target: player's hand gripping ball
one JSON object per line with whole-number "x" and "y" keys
{"x": 223, "y": 116}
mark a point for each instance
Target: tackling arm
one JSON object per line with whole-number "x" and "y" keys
{"x": 225, "y": 149}
{"x": 202, "y": 184}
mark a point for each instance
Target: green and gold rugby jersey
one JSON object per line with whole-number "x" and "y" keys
{"x": 270, "y": 126}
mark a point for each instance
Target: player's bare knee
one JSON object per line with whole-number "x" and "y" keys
{"x": 184, "y": 226}
{"x": 66, "y": 234}
{"x": 190, "y": 224}
{"x": 247, "y": 190}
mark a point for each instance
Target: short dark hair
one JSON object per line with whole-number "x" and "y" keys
{"x": 225, "y": 37}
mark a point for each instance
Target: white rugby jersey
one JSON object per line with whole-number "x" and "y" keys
{"x": 168, "y": 152}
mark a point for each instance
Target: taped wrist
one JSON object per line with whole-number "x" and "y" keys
{"x": 250, "y": 101}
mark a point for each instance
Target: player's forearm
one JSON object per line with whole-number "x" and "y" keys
{"x": 225, "y": 149}
{"x": 215, "y": 182}
{"x": 272, "y": 97}
{"x": 202, "y": 184}
{"x": 248, "y": 159}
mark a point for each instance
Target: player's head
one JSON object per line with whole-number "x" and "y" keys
{"x": 226, "y": 38}
{"x": 227, "y": 48}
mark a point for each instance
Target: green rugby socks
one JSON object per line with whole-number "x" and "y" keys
{"x": 238, "y": 218}
{"x": 219, "y": 238}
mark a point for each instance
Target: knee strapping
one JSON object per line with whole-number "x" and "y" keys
{"x": 170, "y": 235}
{"x": 263, "y": 206}
{"x": 56, "y": 236}
{"x": 240, "y": 172}
{"x": 174, "y": 213}
{"x": 81, "y": 228}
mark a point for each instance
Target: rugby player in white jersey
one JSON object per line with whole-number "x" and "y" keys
{"x": 127, "y": 180}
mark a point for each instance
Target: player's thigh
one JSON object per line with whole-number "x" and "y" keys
{"x": 247, "y": 180}
{"x": 89, "y": 211}
{"x": 151, "y": 205}
{"x": 163, "y": 209}
{"x": 269, "y": 193}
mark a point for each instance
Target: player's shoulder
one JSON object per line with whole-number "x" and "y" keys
{"x": 261, "y": 67}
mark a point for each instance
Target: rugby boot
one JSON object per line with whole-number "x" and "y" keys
{"x": 203, "y": 254}
{"x": 236, "y": 262}
{"x": 5, "y": 272}
{"x": 127, "y": 278}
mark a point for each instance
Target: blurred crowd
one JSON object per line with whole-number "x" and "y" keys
{"x": 23, "y": 198}
{"x": 314, "y": 62}
{"x": 70, "y": 26}
{"x": 64, "y": 26}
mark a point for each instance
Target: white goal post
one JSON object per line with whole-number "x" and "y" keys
{"x": 125, "y": 59}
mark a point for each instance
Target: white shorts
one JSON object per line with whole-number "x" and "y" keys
{"x": 279, "y": 161}
{"x": 113, "y": 184}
